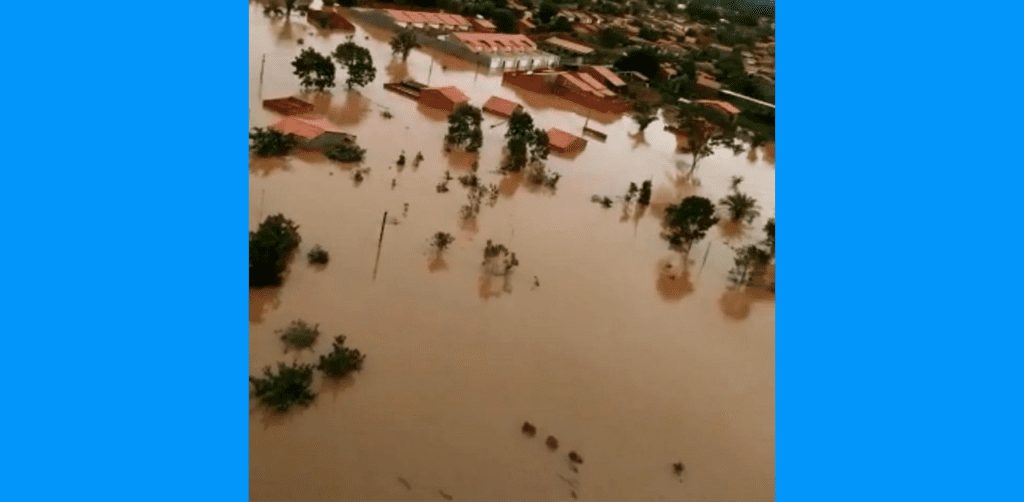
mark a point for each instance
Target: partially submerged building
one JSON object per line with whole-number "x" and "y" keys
{"x": 314, "y": 132}
{"x": 499, "y": 51}
{"x": 564, "y": 142}
{"x": 437, "y": 21}
{"x": 578, "y": 87}
{"x": 607, "y": 77}
{"x": 442, "y": 98}
{"x": 501, "y": 106}
{"x": 724, "y": 109}
{"x": 328, "y": 19}
{"x": 288, "y": 106}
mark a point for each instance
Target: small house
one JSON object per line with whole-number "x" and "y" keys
{"x": 288, "y": 106}
{"x": 501, "y": 106}
{"x": 706, "y": 86}
{"x": 564, "y": 142}
{"x": 442, "y": 98}
{"x": 482, "y": 25}
{"x": 723, "y": 108}
{"x": 314, "y": 132}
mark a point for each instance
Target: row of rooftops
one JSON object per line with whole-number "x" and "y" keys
{"x": 496, "y": 42}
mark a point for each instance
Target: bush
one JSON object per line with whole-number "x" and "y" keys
{"x": 286, "y": 388}
{"x": 346, "y": 152}
{"x": 318, "y": 256}
{"x": 270, "y": 143}
{"x": 341, "y": 360}
{"x": 270, "y": 247}
{"x": 299, "y": 335}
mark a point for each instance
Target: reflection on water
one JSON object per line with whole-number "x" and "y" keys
{"x": 631, "y": 364}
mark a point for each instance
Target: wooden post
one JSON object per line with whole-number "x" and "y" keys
{"x": 263, "y": 60}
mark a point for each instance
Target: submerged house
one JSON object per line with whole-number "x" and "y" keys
{"x": 442, "y": 98}
{"x": 724, "y": 109}
{"x": 564, "y": 142}
{"x": 570, "y": 52}
{"x": 579, "y": 87}
{"x": 288, "y": 106}
{"x": 501, "y": 106}
{"x": 314, "y": 132}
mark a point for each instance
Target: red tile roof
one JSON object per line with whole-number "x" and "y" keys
{"x": 500, "y": 106}
{"x": 504, "y": 42}
{"x": 569, "y": 45}
{"x": 410, "y": 16}
{"x": 608, "y": 75}
{"x": 724, "y": 106}
{"x": 309, "y": 126}
{"x": 288, "y": 106}
{"x": 560, "y": 140}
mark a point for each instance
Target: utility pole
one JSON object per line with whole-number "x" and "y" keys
{"x": 263, "y": 61}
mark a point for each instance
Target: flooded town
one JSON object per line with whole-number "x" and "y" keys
{"x": 508, "y": 250}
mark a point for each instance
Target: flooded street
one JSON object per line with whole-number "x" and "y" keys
{"x": 632, "y": 369}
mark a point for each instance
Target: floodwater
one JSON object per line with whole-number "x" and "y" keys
{"x": 630, "y": 367}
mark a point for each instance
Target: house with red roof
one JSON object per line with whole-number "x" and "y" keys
{"x": 605, "y": 75}
{"x": 723, "y": 108}
{"x": 564, "y": 142}
{"x": 501, "y": 106}
{"x": 314, "y": 132}
{"x": 442, "y": 98}
{"x": 579, "y": 87}
{"x": 499, "y": 51}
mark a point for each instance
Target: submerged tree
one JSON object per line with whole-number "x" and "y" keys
{"x": 314, "y": 70}
{"x": 341, "y": 360}
{"x": 498, "y": 259}
{"x": 526, "y": 143}
{"x": 299, "y": 335}
{"x": 284, "y": 8}
{"x": 645, "y": 193}
{"x": 318, "y": 256}
{"x": 644, "y": 113}
{"x": 357, "y": 61}
{"x": 688, "y": 221}
{"x": 440, "y": 241}
{"x": 740, "y": 206}
{"x": 769, "y": 239}
{"x": 750, "y": 267}
{"x": 699, "y": 133}
{"x": 347, "y": 151}
{"x": 272, "y": 143}
{"x": 270, "y": 247}
{"x": 464, "y": 128}
{"x": 404, "y": 42}
{"x": 289, "y": 386}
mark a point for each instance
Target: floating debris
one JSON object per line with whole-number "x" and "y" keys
{"x": 529, "y": 429}
{"x": 394, "y": 183}
{"x": 575, "y": 457}
{"x": 404, "y": 483}
{"x": 419, "y": 158}
{"x": 445, "y": 495}
{"x": 401, "y": 159}
{"x": 552, "y": 442}
{"x": 573, "y": 494}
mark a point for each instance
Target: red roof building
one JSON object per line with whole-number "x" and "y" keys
{"x": 443, "y": 98}
{"x": 606, "y": 75}
{"x": 501, "y": 106}
{"x": 288, "y": 106}
{"x": 496, "y": 42}
{"x": 437, "y": 20}
{"x": 483, "y": 25}
{"x": 314, "y": 131}
{"x": 564, "y": 142}
{"x": 723, "y": 107}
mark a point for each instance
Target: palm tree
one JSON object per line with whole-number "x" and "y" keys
{"x": 740, "y": 206}
{"x": 403, "y": 42}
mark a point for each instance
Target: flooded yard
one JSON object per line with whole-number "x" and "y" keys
{"x": 631, "y": 368}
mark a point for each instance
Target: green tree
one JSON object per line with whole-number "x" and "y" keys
{"x": 357, "y": 61}
{"x": 498, "y": 259}
{"x": 740, "y": 206}
{"x": 769, "y": 232}
{"x": 271, "y": 143}
{"x": 648, "y": 33}
{"x": 644, "y": 113}
{"x": 645, "y": 61}
{"x": 341, "y": 360}
{"x": 464, "y": 128}
{"x": 315, "y": 70}
{"x": 299, "y": 335}
{"x": 526, "y": 143}
{"x": 688, "y": 221}
{"x": 504, "y": 20}
{"x": 547, "y": 11}
{"x": 289, "y": 386}
{"x": 612, "y": 37}
{"x": 404, "y": 42}
{"x": 750, "y": 266}
{"x": 270, "y": 247}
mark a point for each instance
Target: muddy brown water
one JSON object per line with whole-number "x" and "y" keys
{"x": 630, "y": 367}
